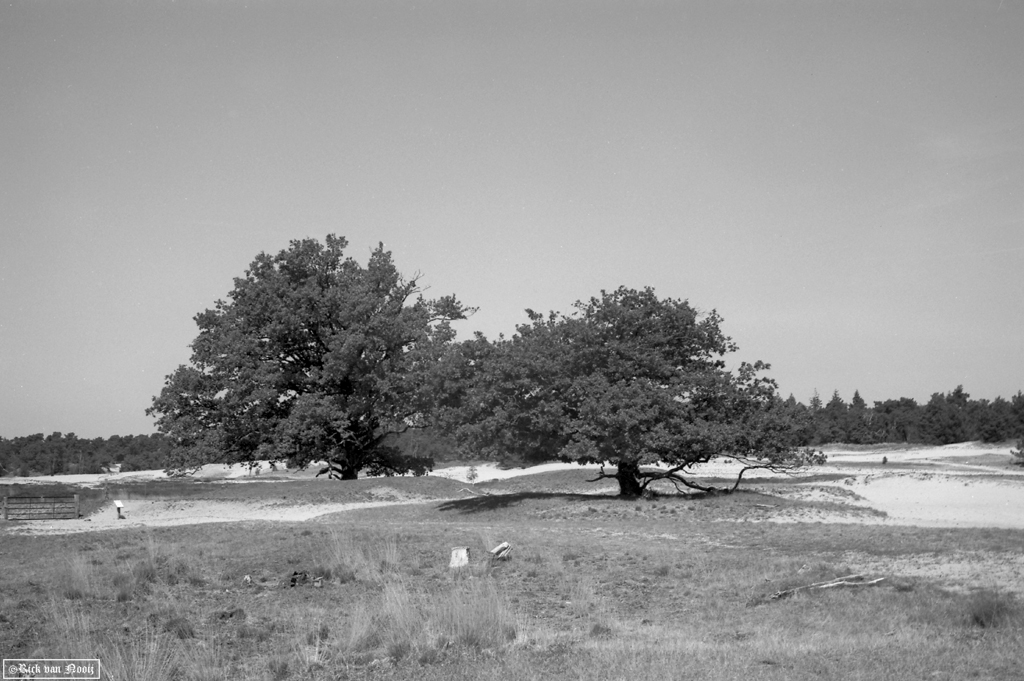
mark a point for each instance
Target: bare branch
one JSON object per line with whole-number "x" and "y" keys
{"x": 849, "y": 580}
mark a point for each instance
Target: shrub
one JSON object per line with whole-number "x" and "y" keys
{"x": 147, "y": 657}
{"x": 324, "y": 573}
{"x": 318, "y": 635}
{"x": 1018, "y": 454}
{"x": 180, "y": 627}
{"x": 990, "y": 609}
{"x": 124, "y": 594}
{"x": 278, "y": 667}
{"x": 476, "y": 615}
{"x": 77, "y": 579}
{"x": 403, "y": 624}
{"x": 144, "y": 656}
{"x": 144, "y": 571}
{"x": 347, "y": 560}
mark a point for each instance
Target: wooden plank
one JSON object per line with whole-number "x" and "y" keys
{"x": 62, "y": 504}
{"x": 41, "y": 516}
{"x": 41, "y": 496}
{"x": 38, "y": 516}
{"x": 41, "y": 508}
{"x": 48, "y": 507}
{"x": 47, "y": 512}
{"x": 68, "y": 508}
{"x": 29, "y": 507}
{"x": 50, "y": 516}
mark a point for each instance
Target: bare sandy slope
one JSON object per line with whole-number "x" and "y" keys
{"x": 144, "y": 513}
{"x": 963, "y": 485}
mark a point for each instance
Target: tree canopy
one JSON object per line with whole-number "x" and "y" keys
{"x": 628, "y": 379}
{"x": 312, "y": 358}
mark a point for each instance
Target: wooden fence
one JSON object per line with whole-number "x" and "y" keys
{"x": 41, "y": 508}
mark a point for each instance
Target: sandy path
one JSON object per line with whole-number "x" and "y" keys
{"x": 194, "y": 512}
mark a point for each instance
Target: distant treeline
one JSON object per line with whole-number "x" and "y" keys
{"x": 62, "y": 453}
{"x": 945, "y": 419}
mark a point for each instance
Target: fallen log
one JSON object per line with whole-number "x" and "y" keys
{"x": 849, "y": 580}
{"x": 474, "y": 491}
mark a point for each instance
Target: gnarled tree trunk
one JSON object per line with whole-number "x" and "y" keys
{"x": 628, "y": 476}
{"x": 339, "y": 469}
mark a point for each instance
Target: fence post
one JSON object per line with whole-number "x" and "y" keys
{"x": 5, "y": 508}
{"x": 78, "y": 508}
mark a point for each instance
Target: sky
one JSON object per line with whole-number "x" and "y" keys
{"x": 843, "y": 182}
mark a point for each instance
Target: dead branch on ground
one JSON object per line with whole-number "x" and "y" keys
{"x": 849, "y": 580}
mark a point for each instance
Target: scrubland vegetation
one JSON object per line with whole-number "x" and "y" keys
{"x": 674, "y": 587}
{"x": 314, "y": 357}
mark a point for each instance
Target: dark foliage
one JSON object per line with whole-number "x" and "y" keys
{"x": 66, "y": 453}
{"x": 945, "y": 419}
{"x": 628, "y": 379}
{"x": 312, "y": 358}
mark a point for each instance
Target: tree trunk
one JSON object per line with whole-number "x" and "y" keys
{"x": 629, "y": 481}
{"x": 339, "y": 469}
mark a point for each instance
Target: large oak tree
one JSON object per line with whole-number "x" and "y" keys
{"x": 627, "y": 379}
{"x": 313, "y": 357}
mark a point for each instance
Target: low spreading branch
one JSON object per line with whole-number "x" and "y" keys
{"x": 681, "y": 477}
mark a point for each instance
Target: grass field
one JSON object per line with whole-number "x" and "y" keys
{"x": 675, "y": 587}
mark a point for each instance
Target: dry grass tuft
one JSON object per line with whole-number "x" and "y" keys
{"x": 475, "y": 614}
{"x": 78, "y": 579}
{"x": 180, "y": 627}
{"x": 346, "y": 560}
{"x": 990, "y": 609}
{"x": 401, "y": 623}
{"x": 278, "y": 668}
{"x": 145, "y": 655}
{"x": 148, "y": 656}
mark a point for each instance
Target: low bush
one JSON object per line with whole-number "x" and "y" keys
{"x": 77, "y": 582}
{"x": 1018, "y": 454}
{"x": 180, "y": 627}
{"x": 990, "y": 609}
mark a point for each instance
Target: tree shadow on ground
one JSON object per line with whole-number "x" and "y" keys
{"x": 495, "y": 501}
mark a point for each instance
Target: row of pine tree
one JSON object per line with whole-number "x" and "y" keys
{"x": 946, "y": 418}
{"x": 62, "y": 453}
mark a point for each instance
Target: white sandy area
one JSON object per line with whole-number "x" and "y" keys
{"x": 939, "y": 457}
{"x": 144, "y": 513}
{"x": 937, "y": 500}
{"x": 936, "y": 492}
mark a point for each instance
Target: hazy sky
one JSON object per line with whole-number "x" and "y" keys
{"x": 843, "y": 182}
